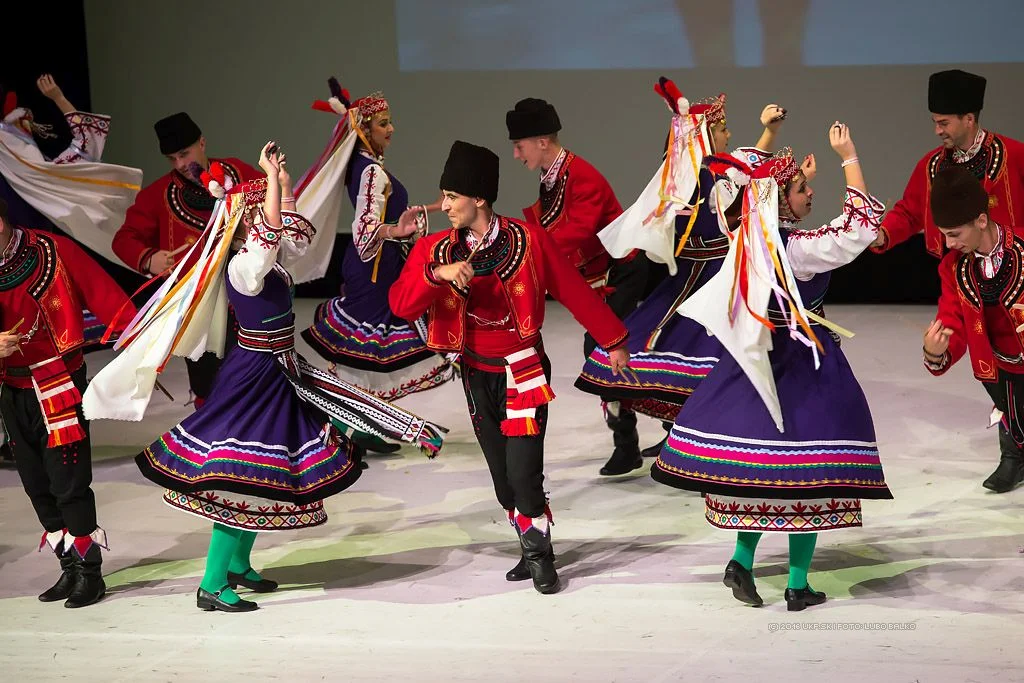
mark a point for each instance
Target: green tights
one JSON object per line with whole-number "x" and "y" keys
{"x": 801, "y": 550}
{"x": 229, "y": 552}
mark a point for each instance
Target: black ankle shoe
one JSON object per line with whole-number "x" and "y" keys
{"x": 799, "y": 598}
{"x": 623, "y": 461}
{"x": 741, "y": 581}
{"x": 62, "y": 589}
{"x": 210, "y": 602}
{"x": 655, "y": 450}
{"x": 261, "y": 586}
{"x": 1007, "y": 476}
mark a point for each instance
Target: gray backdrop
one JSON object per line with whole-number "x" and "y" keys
{"x": 248, "y": 71}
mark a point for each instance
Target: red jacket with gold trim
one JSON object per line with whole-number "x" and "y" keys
{"x": 531, "y": 268}
{"x": 999, "y": 164}
{"x": 44, "y": 284}
{"x": 169, "y": 213}
{"x": 579, "y": 205}
{"x": 979, "y": 327}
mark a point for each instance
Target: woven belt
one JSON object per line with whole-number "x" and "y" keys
{"x": 267, "y": 341}
{"x": 700, "y": 249}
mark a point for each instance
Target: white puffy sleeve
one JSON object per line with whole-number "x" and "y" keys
{"x": 833, "y": 245}
{"x": 264, "y": 245}
{"x": 88, "y": 136}
{"x": 368, "y": 227}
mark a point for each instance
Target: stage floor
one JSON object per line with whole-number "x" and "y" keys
{"x": 406, "y": 581}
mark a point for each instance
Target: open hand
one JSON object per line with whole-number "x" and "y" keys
{"x": 408, "y": 223}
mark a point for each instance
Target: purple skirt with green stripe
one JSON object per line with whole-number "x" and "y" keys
{"x": 253, "y": 437}
{"x": 669, "y": 354}
{"x": 725, "y": 442}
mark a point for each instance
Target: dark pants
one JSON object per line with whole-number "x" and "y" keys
{"x": 203, "y": 372}
{"x": 57, "y": 480}
{"x": 628, "y": 280}
{"x": 1007, "y": 394}
{"x": 516, "y": 462}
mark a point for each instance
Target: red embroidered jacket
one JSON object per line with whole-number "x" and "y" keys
{"x": 986, "y": 330}
{"x": 530, "y": 267}
{"x": 45, "y": 283}
{"x": 999, "y": 164}
{"x": 579, "y": 205}
{"x": 162, "y": 219}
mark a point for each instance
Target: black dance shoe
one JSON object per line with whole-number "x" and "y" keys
{"x": 799, "y": 598}
{"x": 741, "y": 581}
{"x": 261, "y": 586}
{"x": 211, "y": 602}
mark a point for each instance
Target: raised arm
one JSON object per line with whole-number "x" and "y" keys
{"x": 846, "y": 237}
{"x": 772, "y": 117}
{"x": 248, "y": 268}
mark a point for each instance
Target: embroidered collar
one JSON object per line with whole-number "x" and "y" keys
{"x": 550, "y": 176}
{"x": 12, "y": 247}
{"x": 961, "y": 156}
{"x": 991, "y": 261}
{"x": 492, "y": 234}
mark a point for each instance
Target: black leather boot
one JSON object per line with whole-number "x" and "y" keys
{"x": 540, "y": 559}
{"x": 62, "y": 589}
{"x": 1010, "y": 471}
{"x": 626, "y": 456}
{"x": 88, "y": 587}
{"x": 520, "y": 572}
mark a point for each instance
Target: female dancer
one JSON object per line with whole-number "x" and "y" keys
{"x": 365, "y": 343}
{"x": 726, "y": 441}
{"x": 264, "y": 452}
